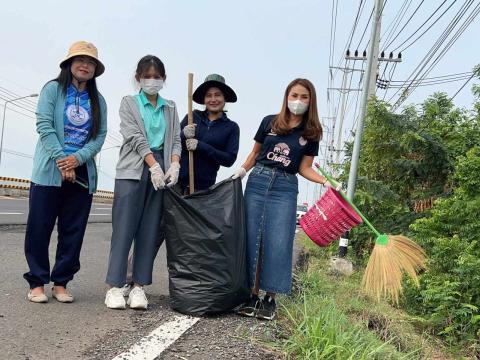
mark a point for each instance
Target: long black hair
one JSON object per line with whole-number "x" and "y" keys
{"x": 64, "y": 79}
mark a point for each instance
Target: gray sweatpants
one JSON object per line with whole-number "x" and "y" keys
{"x": 136, "y": 217}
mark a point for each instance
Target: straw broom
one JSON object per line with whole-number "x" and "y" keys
{"x": 392, "y": 256}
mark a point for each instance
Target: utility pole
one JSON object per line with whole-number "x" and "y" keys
{"x": 368, "y": 90}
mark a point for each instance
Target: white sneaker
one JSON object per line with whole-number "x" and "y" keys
{"x": 114, "y": 299}
{"x": 137, "y": 298}
{"x": 126, "y": 289}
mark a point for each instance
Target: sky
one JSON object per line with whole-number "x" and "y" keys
{"x": 258, "y": 46}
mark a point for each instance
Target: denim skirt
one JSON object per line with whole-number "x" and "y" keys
{"x": 270, "y": 206}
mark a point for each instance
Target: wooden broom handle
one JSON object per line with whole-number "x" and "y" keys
{"x": 191, "y": 174}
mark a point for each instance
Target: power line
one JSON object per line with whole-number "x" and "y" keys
{"x": 404, "y": 25}
{"x": 357, "y": 18}
{"x": 455, "y": 37}
{"x": 381, "y": 12}
{"x": 17, "y": 153}
{"x": 421, "y": 26}
{"x": 461, "y": 88}
{"x": 27, "y": 101}
{"x": 417, "y": 73}
{"x": 397, "y": 19}
{"x": 467, "y": 73}
{"x": 15, "y": 103}
{"x": 422, "y": 83}
{"x": 18, "y": 112}
{"x": 365, "y": 30}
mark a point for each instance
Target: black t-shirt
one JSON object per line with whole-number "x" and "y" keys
{"x": 283, "y": 151}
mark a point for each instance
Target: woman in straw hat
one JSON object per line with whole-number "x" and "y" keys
{"x": 213, "y": 137}
{"x": 72, "y": 125}
{"x": 149, "y": 161}
{"x": 285, "y": 144}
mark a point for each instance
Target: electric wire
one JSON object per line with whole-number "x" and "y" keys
{"x": 450, "y": 43}
{"x": 421, "y": 26}
{"x": 433, "y": 50}
{"x": 27, "y": 100}
{"x": 397, "y": 20}
{"x": 404, "y": 25}
{"x": 461, "y": 88}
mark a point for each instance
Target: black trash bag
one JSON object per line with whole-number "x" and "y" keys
{"x": 206, "y": 245}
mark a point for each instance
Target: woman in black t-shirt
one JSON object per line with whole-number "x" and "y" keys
{"x": 285, "y": 144}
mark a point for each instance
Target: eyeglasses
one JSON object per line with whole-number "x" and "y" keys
{"x": 85, "y": 61}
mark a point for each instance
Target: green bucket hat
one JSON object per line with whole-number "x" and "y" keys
{"x": 218, "y": 81}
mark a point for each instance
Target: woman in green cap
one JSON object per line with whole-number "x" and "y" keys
{"x": 213, "y": 137}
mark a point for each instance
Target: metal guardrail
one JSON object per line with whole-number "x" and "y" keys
{"x": 24, "y": 184}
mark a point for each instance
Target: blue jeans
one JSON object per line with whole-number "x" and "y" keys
{"x": 270, "y": 205}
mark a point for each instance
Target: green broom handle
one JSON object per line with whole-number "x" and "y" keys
{"x": 333, "y": 182}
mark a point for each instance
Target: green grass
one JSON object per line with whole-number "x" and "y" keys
{"x": 329, "y": 318}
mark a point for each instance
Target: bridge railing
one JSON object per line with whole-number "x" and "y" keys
{"x": 24, "y": 184}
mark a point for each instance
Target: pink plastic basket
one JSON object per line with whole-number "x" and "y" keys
{"x": 329, "y": 218}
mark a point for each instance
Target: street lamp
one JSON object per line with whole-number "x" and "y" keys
{"x": 3, "y": 121}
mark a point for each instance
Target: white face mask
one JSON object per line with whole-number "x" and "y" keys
{"x": 297, "y": 107}
{"x": 151, "y": 86}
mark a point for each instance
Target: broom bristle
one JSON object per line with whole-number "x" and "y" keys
{"x": 387, "y": 264}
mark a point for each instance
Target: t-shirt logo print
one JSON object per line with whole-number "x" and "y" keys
{"x": 280, "y": 154}
{"x": 77, "y": 115}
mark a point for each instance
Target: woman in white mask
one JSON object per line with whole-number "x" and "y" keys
{"x": 285, "y": 144}
{"x": 148, "y": 162}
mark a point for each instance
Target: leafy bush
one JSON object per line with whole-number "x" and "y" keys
{"x": 449, "y": 297}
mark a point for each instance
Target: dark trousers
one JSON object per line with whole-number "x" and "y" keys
{"x": 136, "y": 218}
{"x": 71, "y": 204}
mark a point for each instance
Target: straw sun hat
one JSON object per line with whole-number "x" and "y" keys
{"x": 84, "y": 48}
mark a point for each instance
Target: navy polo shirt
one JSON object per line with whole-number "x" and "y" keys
{"x": 218, "y": 142}
{"x": 283, "y": 151}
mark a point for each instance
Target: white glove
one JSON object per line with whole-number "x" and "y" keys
{"x": 239, "y": 173}
{"x": 189, "y": 131}
{"x": 191, "y": 144}
{"x": 157, "y": 176}
{"x": 171, "y": 176}
{"x": 338, "y": 187}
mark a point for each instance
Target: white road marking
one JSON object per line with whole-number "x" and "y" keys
{"x": 99, "y": 214}
{"x": 152, "y": 345}
{"x": 10, "y": 213}
{"x": 103, "y": 208}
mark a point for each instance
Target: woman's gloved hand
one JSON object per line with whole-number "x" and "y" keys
{"x": 338, "y": 185}
{"x": 171, "y": 176}
{"x": 189, "y": 131}
{"x": 157, "y": 176}
{"x": 239, "y": 173}
{"x": 191, "y": 144}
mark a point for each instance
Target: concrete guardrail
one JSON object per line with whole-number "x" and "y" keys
{"x": 22, "y": 185}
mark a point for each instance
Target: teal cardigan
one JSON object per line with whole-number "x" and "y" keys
{"x": 50, "y": 112}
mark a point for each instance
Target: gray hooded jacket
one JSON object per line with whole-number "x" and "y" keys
{"x": 135, "y": 144}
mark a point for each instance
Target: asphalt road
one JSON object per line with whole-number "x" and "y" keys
{"x": 71, "y": 331}
{"x": 15, "y": 211}
{"x": 86, "y": 329}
